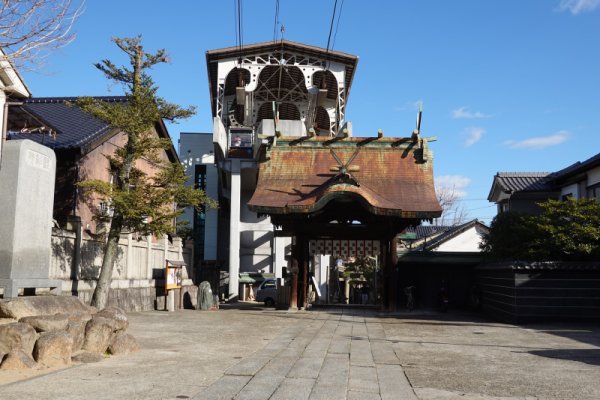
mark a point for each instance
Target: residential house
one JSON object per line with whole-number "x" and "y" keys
{"x": 81, "y": 143}
{"x": 464, "y": 237}
{"x": 519, "y": 291}
{"x": 521, "y": 191}
{"x": 579, "y": 180}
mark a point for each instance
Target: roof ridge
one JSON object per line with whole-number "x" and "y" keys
{"x": 516, "y": 174}
{"x": 63, "y": 99}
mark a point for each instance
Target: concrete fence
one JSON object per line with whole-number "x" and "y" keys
{"x": 138, "y": 275}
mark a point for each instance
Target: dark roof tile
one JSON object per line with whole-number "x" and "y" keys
{"x": 74, "y": 128}
{"x": 579, "y": 166}
{"x": 524, "y": 181}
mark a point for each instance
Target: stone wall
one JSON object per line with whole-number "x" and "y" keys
{"x": 138, "y": 276}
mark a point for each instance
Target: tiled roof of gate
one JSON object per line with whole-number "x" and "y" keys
{"x": 297, "y": 178}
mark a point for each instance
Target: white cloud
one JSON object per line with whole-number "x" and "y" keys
{"x": 539, "y": 142}
{"x": 463, "y": 112}
{"x": 409, "y": 106}
{"x": 454, "y": 183}
{"x": 474, "y": 134}
{"x": 578, "y": 6}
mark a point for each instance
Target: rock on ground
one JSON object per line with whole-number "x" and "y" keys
{"x": 118, "y": 317}
{"x": 123, "y": 343}
{"x": 17, "y": 360}
{"x": 76, "y": 330}
{"x": 47, "y": 323}
{"x": 87, "y": 357}
{"x": 42, "y": 305}
{"x": 53, "y": 348}
{"x": 17, "y": 335}
{"x": 98, "y": 334}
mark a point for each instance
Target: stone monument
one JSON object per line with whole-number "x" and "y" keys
{"x": 27, "y": 176}
{"x": 205, "y": 296}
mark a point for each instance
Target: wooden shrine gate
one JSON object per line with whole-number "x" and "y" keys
{"x": 345, "y": 190}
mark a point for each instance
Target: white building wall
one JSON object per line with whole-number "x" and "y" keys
{"x": 282, "y": 249}
{"x": 321, "y": 263}
{"x": 2, "y": 102}
{"x": 570, "y": 190}
{"x": 194, "y": 149}
{"x": 593, "y": 176}
{"x": 467, "y": 241}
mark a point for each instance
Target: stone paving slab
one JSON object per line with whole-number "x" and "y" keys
{"x": 383, "y": 352}
{"x": 339, "y": 345}
{"x": 323, "y": 391}
{"x": 363, "y": 379}
{"x": 294, "y": 389}
{"x": 260, "y": 387}
{"x": 360, "y": 352}
{"x": 306, "y": 367}
{"x": 229, "y": 386}
{"x": 355, "y": 395}
{"x": 250, "y": 366}
{"x": 393, "y": 384}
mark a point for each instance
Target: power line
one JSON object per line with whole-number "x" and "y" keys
{"x": 235, "y": 18}
{"x": 337, "y": 24}
{"x": 239, "y": 24}
{"x": 331, "y": 25}
{"x": 276, "y": 23}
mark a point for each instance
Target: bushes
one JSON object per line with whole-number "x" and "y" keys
{"x": 566, "y": 230}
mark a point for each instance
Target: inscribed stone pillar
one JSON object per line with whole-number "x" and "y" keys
{"x": 27, "y": 176}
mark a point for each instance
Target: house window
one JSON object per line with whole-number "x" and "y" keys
{"x": 594, "y": 192}
{"x": 567, "y": 196}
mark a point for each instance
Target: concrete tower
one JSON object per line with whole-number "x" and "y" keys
{"x": 257, "y": 92}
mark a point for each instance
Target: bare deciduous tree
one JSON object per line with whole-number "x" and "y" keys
{"x": 453, "y": 209}
{"x": 29, "y": 29}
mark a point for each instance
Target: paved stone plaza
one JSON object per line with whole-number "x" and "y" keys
{"x": 254, "y": 353}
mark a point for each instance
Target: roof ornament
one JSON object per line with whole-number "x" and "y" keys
{"x": 417, "y": 132}
{"x": 421, "y": 143}
{"x": 344, "y": 169}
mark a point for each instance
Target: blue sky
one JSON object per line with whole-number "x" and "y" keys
{"x": 507, "y": 85}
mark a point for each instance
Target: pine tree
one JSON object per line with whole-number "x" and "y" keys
{"x": 138, "y": 202}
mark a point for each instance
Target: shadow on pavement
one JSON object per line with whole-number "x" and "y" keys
{"x": 588, "y": 356}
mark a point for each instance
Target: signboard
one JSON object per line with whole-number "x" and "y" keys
{"x": 173, "y": 274}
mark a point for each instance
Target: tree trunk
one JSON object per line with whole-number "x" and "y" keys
{"x": 100, "y": 296}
